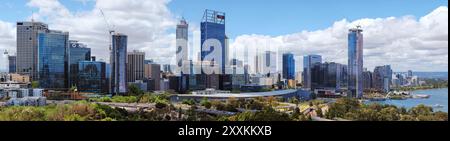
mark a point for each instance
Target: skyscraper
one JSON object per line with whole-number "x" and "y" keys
{"x": 118, "y": 64}
{"x": 382, "y": 78}
{"x": 257, "y": 64}
{"x": 355, "y": 63}
{"x": 270, "y": 62}
{"x": 227, "y": 52}
{"x": 153, "y": 72}
{"x": 135, "y": 66}
{"x": 92, "y": 77}
{"x": 327, "y": 75}
{"x": 288, "y": 66}
{"x": 410, "y": 74}
{"x": 53, "y": 59}
{"x": 308, "y": 63}
{"x": 77, "y": 52}
{"x": 27, "y": 47}
{"x": 182, "y": 46}
{"x": 213, "y": 44}
{"x": 368, "y": 80}
{"x": 12, "y": 64}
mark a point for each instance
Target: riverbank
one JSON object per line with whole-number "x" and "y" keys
{"x": 438, "y": 100}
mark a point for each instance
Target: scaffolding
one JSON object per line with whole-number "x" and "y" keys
{"x": 212, "y": 16}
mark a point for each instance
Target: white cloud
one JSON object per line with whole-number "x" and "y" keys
{"x": 404, "y": 42}
{"x": 7, "y": 42}
{"x": 144, "y": 21}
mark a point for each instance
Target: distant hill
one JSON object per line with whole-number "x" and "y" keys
{"x": 441, "y": 75}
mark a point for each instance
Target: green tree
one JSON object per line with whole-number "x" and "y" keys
{"x": 421, "y": 110}
{"x": 295, "y": 113}
{"x": 35, "y": 84}
{"x": 205, "y": 102}
{"x": 319, "y": 112}
{"x": 134, "y": 90}
{"x": 189, "y": 102}
{"x": 389, "y": 114}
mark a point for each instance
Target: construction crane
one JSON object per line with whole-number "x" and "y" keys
{"x": 109, "y": 26}
{"x": 338, "y": 53}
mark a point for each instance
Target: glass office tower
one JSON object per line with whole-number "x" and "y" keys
{"x": 92, "y": 77}
{"x": 12, "y": 64}
{"x": 77, "y": 52}
{"x": 308, "y": 63}
{"x": 288, "y": 66}
{"x": 118, "y": 64}
{"x": 213, "y": 27}
{"x": 52, "y": 59}
{"x": 355, "y": 63}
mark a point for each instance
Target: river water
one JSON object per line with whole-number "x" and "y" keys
{"x": 438, "y": 97}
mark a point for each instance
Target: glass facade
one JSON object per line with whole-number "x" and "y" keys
{"x": 288, "y": 66}
{"x": 118, "y": 64}
{"x": 382, "y": 78}
{"x": 308, "y": 63}
{"x": 77, "y": 52}
{"x": 12, "y": 64}
{"x": 355, "y": 63}
{"x": 52, "y": 56}
{"x": 213, "y": 27}
{"x": 92, "y": 77}
{"x": 327, "y": 75}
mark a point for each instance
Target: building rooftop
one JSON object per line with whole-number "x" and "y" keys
{"x": 243, "y": 95}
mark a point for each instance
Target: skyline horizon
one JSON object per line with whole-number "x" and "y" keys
{"x": 374, "y": 55}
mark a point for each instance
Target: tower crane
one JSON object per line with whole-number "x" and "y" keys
{"x": 109, "y": 26}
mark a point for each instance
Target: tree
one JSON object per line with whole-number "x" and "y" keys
{"x": 205, "y": 102}
{"x": 421, "y": 110}
{"x": 296, "y": 113}
{"x": 180, "y": 113}
{"x": 35, "y": 84}
{"x": 294, "y": 100}
{"x": 319, "y": 112}
{"x": 189, "y": 102}
{"x": 389, "y": 114}
{"x": 134, "y": 90}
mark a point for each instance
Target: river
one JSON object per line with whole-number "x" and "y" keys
{"x": 438, "y": 96}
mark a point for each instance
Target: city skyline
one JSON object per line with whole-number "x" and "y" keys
{"x": 328, "y": 42}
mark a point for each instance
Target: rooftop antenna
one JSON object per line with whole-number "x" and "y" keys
{"x": 32, "y": 15}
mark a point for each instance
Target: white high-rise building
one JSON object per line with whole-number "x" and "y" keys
{"x": 27, "y": 47}
{"x": 182, "y": 58}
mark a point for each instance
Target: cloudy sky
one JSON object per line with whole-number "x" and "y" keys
{"x": 405, "y": 34}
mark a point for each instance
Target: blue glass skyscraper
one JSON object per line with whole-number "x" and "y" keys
{"x": 288, "y": 66}
{"x": 213, "y": 29}
{"x": 12, "y": 64}
{"x": 92, "y": 76}
{"x": 355, "y": 63}
{"x": 308, "y": 63}
{"x": 118, "y": 64}
{"x": 77, "y": 52}
{"x": 52, "y": 59}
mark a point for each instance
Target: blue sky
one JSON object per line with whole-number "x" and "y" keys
{"x": 288, "y": 16}
{"x": 255, "y": 23}
{"x": 268, "y": 17}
